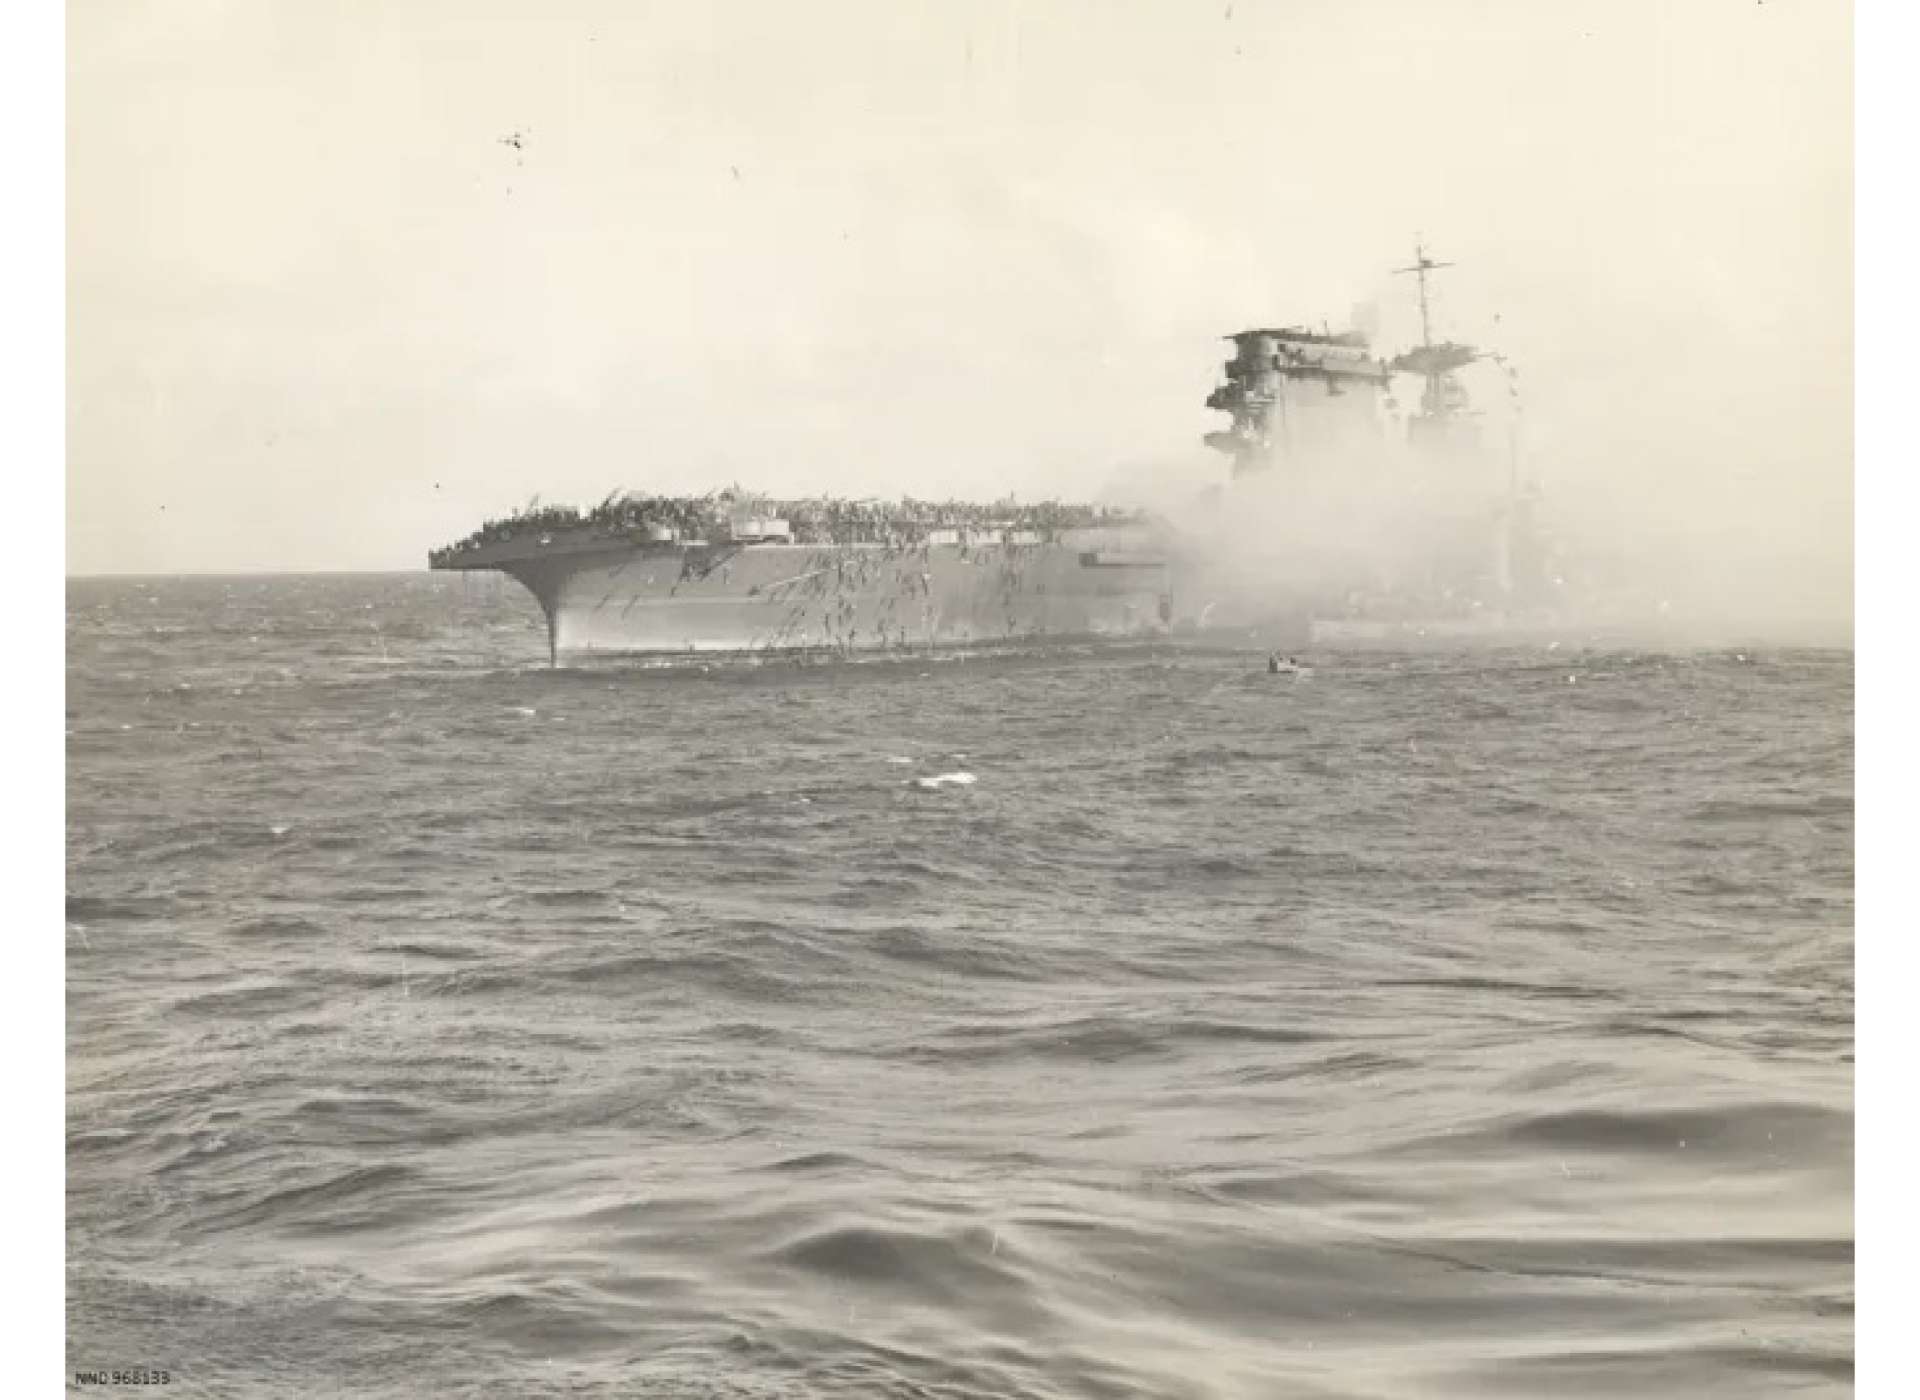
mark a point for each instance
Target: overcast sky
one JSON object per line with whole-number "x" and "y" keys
{"x": 346, "y": 276}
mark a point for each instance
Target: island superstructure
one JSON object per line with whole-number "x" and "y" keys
{"x": 734, "y": 571}
{"x": 1439, "y": 532}
{"x": 1295, "y": 395}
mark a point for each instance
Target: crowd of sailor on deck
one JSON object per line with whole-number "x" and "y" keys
{"x": 808, "y": 520}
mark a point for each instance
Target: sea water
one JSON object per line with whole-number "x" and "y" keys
{"x": 442, "y": 1024}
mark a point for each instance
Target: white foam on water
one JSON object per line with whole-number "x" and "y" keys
{"x": 940, "y": 780}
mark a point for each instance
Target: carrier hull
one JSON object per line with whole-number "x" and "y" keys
{"x": 618, "y": 597}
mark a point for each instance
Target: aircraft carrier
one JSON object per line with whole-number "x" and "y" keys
{"x": 735, "y": 571}
{"x": 741, "y": 573}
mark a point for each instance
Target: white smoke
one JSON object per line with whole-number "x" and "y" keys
{"x": 1659, "y": 524}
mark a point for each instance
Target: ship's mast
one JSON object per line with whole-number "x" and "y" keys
{"x": 1443, "y": 402}
{"x": 1422, "y": 265}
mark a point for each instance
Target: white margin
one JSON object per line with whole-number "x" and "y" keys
{"x": 1886, "y": 515}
